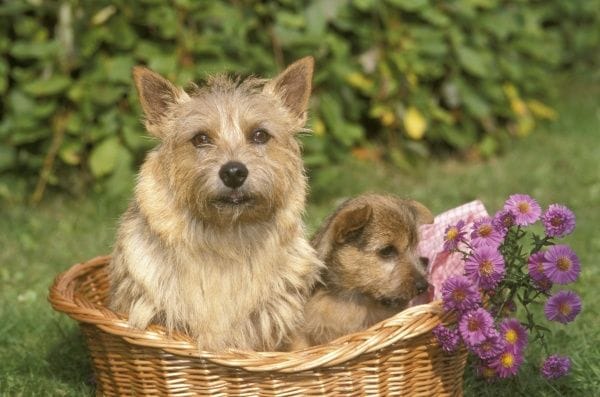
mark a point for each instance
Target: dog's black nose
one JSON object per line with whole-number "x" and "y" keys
{"x": 233, "y": 174}
{"x": 421, "y": 286}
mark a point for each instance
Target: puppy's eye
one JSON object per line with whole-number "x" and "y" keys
{"x": 387, "y": 252}
{"x": 201, "y": 139}
{"x": 260, "y": 136}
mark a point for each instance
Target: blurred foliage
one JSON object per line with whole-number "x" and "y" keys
{"x": 396, "y": 80}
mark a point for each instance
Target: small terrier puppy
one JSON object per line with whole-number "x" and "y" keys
{"x": 369, "y": 247}
{"x": 213, "y": 243}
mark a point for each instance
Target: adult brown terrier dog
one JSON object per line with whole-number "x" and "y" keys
{"x": 213, "y": 243}
{"x": 369, "y": 247}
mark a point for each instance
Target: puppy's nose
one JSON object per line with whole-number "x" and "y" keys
{"x": 421, "y": 286}
{"x": 233, "y": 174}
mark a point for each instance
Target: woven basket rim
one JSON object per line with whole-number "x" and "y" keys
{"x": 410, "y": 323}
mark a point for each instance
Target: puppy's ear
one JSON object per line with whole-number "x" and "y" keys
{"x": 293, "y": 87}
{"x": 348, "y": 224}
{"x": 422, "y": 213}
{"x": 156, "y": 94}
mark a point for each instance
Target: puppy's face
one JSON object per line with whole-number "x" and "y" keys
{"x": 228, "y": 150}
{"x": 373, "y": 249}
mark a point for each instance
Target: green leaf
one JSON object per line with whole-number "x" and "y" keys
{"x": 409, "y": 5}
{"x": 53, "y": 85}
{"x": 501, "y": 23}
{"x": 3, "y": 76}
{"x": 165, "y": 19}
{"x": 104, "y": 156}
{"x": 118, "y": 69}
{"x": 106, "y": 94}
{"x": 473, "y": 102}
{"x": 8, "y": 157}
{"x": 460, "y": 137}
{"x": 122, "y": 178}
{"x": 165, "y": 64}
{"x": 436, "y": 17}
{"x": 20, "y": 104}
{"x": 44, "y": 109}
{"x": 134, "y": 136}
{"x": 320, "y": 12}
{"x": 28, "y": 49}
{"x": 291, "y": 20}
{"x": 475, "y": 62}
{"x": 364, "y": 5}
{"x": 146, "y": 50}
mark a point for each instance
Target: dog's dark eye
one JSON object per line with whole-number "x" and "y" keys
{"x": 260, "y": 136}
{"x": 387, "y": 252}
{"x": 201, "y": 139}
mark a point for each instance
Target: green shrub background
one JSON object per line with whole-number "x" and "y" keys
{"x": 396, "y": 80}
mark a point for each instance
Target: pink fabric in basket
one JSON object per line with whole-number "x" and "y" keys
{"x": 441, "y": 264}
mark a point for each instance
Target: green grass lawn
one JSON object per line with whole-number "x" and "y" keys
{"x": 41, "y": 352}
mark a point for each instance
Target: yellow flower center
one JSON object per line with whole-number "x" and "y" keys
{"x": 511, "y": 336}
{"x": 565, "y": 309}
{"x": 452, "y": 234}
{"x": 486, "y": 268}
{"x": 507, "y": 360}
{"x": 485, "y": 230}
{"x": 523, "y": 207}
{"x": 563, "y": 263}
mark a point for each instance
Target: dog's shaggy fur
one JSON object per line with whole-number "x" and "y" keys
{"x": 369, "y": 247}
{"x": 229, "y": 265}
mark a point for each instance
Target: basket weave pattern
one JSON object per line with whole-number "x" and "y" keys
{"x": 398, "y": 356}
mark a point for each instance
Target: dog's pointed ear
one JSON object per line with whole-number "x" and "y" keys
{"x": 350, "y": 222}
{"x": 293, "y": 86}
{"x": 422, "y": 213}
{"x": 156, "y": 94}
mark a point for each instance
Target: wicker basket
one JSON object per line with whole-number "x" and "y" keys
{"x": 395, "y": 357}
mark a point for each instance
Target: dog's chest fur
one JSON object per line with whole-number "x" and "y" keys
{"x": 242, "y": 287}
{"x": 329, "y": 316}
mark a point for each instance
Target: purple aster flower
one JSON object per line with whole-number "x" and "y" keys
{"x": 448, "y": 338}
{"x": 453, "y": 235}
{"x": 561, "y": 265}
{"x": 475, "y": 326}
{"x": 536, "y": 272}
{"x": 485, "y": 266}
{"x": 459, "y": 293}
{"x": 503, "y": 220}
{"x": 525, "y": 209}
{"x": 507, "y": 363}
{"x": 484, "y": 233}
{"x": 513, "y": 334}
{"x": 555, "y": 366}
{"x": 563, "y": 307}
{"x": 558, "y": 221}
{"x": 491, "y": 346}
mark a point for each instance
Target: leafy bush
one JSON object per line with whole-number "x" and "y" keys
{"x": 396, "y": 79}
